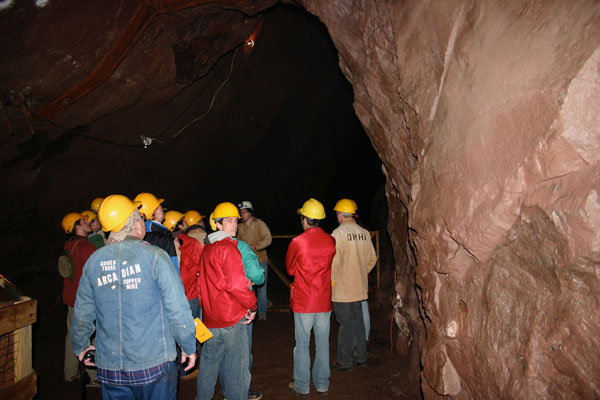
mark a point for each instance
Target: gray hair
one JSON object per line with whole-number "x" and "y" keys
{"x": 116, "y": 237}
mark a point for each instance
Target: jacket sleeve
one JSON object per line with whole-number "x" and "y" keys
{"x": 372, "y": 257}
{"x": 291, "y": 257}
{"x": 265, "y": 235}
{"x": 84, "y": 316}
{"x": 252, "y": 268}
{"x": 336, "y": 264}
{"x": 176, "y": 305}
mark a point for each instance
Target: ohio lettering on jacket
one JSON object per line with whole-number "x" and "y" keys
{"x": 357, "y": 236}
{"x": 128, "y": 272}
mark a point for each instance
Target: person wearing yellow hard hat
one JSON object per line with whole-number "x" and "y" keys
{"x": 308, "y": 260}
{"x": 228, "y": 305}
{"x": 132, "y": 293}
{"x": 96, "y": 204}
{"x": 355, "y": 257}
{"x": 97, "y": 236}
{"x": 77, "y": 250}
{"x": 193, "y": 225}
{"x": 156, "y": 233}
{"x": 256, "y": 233}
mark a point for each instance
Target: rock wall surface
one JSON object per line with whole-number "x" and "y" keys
{"x": 486, "y": 116}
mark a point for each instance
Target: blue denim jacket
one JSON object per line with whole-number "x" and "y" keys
{"x": 135, "y": 295}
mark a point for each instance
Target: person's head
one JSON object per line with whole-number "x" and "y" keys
{"x": 225, "y": 218}
{"x": 312, "y": 212}
{"x": 95, "y": 225}
{"x": 75, "y": 223}
{"x": 95, "y": 206}
{"x": 172, "y": 219}
{"x": 92, "y": 218}
{"x": 246, "y": 210}
{"x": 345, "y": 209}
{"x": 228, "y": 225}
{"x": 308, "y": 222}
{"x": 120, "y": 216}
{"x": 193, "y": 217}
{"x": 150, "y": 207}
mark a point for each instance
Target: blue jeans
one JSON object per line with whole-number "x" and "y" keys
{"x": 366, "y": 318}
{"x": 261, "y": 291}
{"x": 164, "y": 388}
{"x": 352, "y": 343}
{"x": 303, "y": 324}
{"x": 249, "y": 331}
{"x": 225, "y": 356}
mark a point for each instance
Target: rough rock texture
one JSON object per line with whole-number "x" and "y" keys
{"x": 486, "y": 117}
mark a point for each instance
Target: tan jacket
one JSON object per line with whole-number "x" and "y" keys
{"x": 256, "y": 234}
{"x": 354, "y": 258}
{"x": 198, "y": 233}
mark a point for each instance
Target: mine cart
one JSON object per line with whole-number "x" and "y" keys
{"x": 18, "y": 380}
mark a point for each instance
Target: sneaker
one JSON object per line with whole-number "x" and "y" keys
{"x": 339, "y": 367}
{"x": 254, "y": 395}
{"x": 360, "y": 364}
{"x": 322, "y": 392}
{"x": 262, "y": 317}
{"x": 291, "y": 389}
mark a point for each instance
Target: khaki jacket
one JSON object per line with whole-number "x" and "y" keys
{"x": 355, "y": 257}
{"x": 257, "y": 234}
{"x": 198, "y": 233}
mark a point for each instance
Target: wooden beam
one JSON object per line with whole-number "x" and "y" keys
{"x": 24, "y": 389}
{"x": 17, "y": 315}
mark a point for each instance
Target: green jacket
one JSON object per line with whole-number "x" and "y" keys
{"x": 252, "y": 268}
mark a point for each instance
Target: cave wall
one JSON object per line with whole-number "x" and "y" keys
{"x": 486, "y": 117}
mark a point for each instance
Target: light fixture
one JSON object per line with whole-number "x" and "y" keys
{"x": 146, "y": 140}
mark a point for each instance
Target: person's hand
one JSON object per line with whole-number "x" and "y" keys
{"x": 177, "y": 244}
{"x": 191, "y": 358}
{"x": 253, "y": 248}
{"x": 249, "y": 317}
{"x": 82, "y": 354}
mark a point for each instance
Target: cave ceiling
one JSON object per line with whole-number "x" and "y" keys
{"x": 82, "y": 83}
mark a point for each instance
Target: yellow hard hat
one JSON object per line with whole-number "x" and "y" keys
{"x": 114, "y": 212}
{"x": 313, "y": 209}
{"x": 149, "y": 203}
{"x": 211, "y": 221}
{"x": 171, "y": 219}
{"x": 69, "y": 220}
{"x": 96, "y": 203}
{"x": 345, "y": 206}
{"x": 224, "y": 210}
{"x": 89, "y": 215}
{"x": 192, "y": 217}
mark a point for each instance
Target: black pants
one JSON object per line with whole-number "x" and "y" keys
{"x": 352, "y": 343}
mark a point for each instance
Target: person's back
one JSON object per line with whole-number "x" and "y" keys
{"x": 133, "y": 289}
{"x": 309, "y": 259}
{"x": 354, "y": 260}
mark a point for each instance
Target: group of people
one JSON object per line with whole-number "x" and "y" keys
{"x": 135, "y": 296}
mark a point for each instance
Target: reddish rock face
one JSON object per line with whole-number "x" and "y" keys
{"x": 486, "y": 118}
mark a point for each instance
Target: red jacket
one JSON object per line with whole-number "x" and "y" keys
{"x": 225, "y": 292}
{"x": 81, "y": 249}
{"x": 309, "y": 258}
{"x": 191, "y": 249}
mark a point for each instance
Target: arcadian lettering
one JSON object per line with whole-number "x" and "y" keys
{"x": 128, "y": 273}
{"x": 356, "y": 236}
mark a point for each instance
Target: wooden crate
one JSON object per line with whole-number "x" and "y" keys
{"x": 18, "y": 380}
